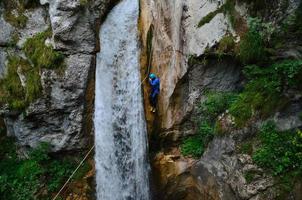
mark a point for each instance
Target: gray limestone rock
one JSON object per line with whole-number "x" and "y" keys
{"x": 5, "y": 31}
{"x": 57, "y": 117}
{"x": 3, "y": 56}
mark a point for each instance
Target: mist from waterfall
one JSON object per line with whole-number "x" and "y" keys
{"x": 120, "y": 128}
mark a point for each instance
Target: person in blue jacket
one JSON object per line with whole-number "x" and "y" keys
{"x": 155, "y": 85}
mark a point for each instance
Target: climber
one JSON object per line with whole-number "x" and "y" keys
{"x": 155, "y": 85}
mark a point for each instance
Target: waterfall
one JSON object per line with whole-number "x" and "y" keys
{"x": 120, "y": 130}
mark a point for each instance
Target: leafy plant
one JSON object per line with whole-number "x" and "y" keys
{"x": 264, "y": 92}
{"x": 216, "y": 103}
{"x": 195, "y": 145}
{"x": 25, "y": 178}
{"x": 251, "y": 48}
{"x": 279, "y": 152}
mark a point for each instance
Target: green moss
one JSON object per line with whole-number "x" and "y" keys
{"x": 41, "y": 55}
{"x": 12, "y": 91}
{"x": 192, "y": 146}
{"x": 208, "y": 17}
{"x": 226, "y": 45}
{"x": 193, "y": 59}
{"x": 33, "y": 85}
{"x": 14, "y": 13}
{"x": 228, "y": 9}
{"x": 18, "y": 21}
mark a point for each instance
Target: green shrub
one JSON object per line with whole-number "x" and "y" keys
{"x": 22, "y": 179}
{"x": 251, "y": 49}
{"x": 58, "y": 173}
{"x": 259, "y": 96}
{"x": 264, "y": 92}
{"x": 216, "y": 103}
{"x": 279, "y": 152}
{"x": 41, "y": 55}
{"x": 195, "y": 145}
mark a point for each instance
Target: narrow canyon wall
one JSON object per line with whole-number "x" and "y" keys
{"x": 170, "y": 38}
{"x": 176, "y": 37}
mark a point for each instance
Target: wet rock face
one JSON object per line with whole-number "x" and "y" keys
{"x": 223, "y": 75}
{"x": 221, "y": 172}
{"x": 61, "y": 115}
{"x": 176, "y": 37}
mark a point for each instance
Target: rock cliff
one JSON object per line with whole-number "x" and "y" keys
{"x": 62, "y": 114}
{"x": 180, "y": 41}
{"x": 173, "y": 35}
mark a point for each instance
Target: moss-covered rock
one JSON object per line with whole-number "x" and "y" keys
{"x": 42, "y": 55}
{"x": 12, "y": 91}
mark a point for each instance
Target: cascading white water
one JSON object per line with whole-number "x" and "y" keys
{"x": 120, "y": 129}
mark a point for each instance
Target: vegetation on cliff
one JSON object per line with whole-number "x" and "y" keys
{"x": 14, "y": 11}
{"x": 35, "y": 176}
{"x": 210, "y": 109}
{"x": 227, "y": 8}
{"x": 19, "y": 95}
{"x": 271, "y": 83}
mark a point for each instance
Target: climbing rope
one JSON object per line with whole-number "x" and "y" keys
{"x": 70, "y": 177}
{"x": 86, "y": 156}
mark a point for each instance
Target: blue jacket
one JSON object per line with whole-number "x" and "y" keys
{"x": 155, "y": 84}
